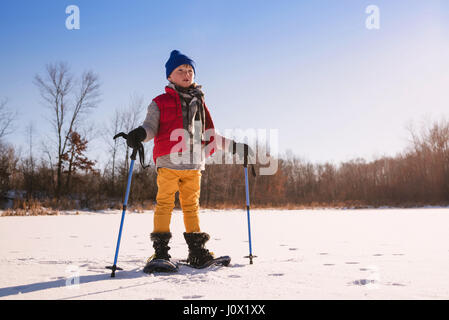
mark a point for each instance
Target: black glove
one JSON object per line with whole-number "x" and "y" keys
{"x": 242, "y": 150}
{"x": 135, "y": 137}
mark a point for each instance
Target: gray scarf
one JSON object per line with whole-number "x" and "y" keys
{"x": 192, "y": 102}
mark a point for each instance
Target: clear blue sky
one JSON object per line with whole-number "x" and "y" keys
{"x": 334, "y": 89}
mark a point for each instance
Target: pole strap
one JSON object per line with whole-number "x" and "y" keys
{"x": 139, "y": 150}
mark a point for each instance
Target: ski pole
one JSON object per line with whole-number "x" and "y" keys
{"x": 245, "y": 166}
{"x": 125, "y": 203}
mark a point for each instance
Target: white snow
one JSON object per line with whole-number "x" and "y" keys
{"x": 304, "y": 254}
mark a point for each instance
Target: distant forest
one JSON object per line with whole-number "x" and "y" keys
{"x": 417, "y": 176}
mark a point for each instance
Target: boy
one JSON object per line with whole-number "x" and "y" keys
{"x": 179, "y": 122}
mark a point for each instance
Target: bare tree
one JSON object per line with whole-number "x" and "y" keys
{"x": 132, "y": 117}
{"x": 7, "y": 118}
{"x": 68, "y": 101}
{"x": 109, "y": 131}
{"x": 28, "y": 165}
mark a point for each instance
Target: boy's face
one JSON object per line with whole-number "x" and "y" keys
{"x": 182, "y": 76}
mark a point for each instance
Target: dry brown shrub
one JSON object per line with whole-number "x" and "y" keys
{"x": 30, "y": 207}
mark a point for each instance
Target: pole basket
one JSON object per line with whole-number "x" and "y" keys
{"x": 113, "y": 268}
{"x": 250, "y": 258}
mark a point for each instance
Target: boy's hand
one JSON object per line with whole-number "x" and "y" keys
{"x": 135, "y": 137}
{"x": 242, "y": 150}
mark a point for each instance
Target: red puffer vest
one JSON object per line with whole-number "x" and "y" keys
{"x": 170, "y": 109}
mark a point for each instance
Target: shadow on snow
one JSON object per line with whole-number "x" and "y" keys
{"x": 131, "y": 274}
{"x": 60, "y": 283}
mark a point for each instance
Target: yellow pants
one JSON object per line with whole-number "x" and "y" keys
{"x": 169, "y": 181}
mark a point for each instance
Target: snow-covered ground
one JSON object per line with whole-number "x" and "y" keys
{"x": 307, "y": 254}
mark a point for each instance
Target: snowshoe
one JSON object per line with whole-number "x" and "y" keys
{"x": 159, "y": 265}
{"x": 199, "y": 257}
{"x": 220, "y": 261}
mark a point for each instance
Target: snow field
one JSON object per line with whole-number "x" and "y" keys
{"x": 304, "y": 254}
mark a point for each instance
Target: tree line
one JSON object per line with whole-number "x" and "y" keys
{"x": 63, "y": 177}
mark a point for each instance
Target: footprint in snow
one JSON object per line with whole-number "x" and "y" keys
{"x": 395, "y": 284}
{"x": 48, "y": 262}
{"x": 363, "y": 282}
{"x": 276, "y": 274}
{"x": 192, "y": 297}
{"x": 290, "y": 260}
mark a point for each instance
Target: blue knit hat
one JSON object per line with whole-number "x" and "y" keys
{"x": 176, "y": 59}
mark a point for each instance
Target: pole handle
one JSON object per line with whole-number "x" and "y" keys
{"x": 245, "y": 160}
{"x": 121, "y": 134}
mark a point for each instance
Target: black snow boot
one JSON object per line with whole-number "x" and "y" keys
{"x": 160, "y": 260}
{"x": 198, "y": 254}
{"x": 160, "y": 245}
